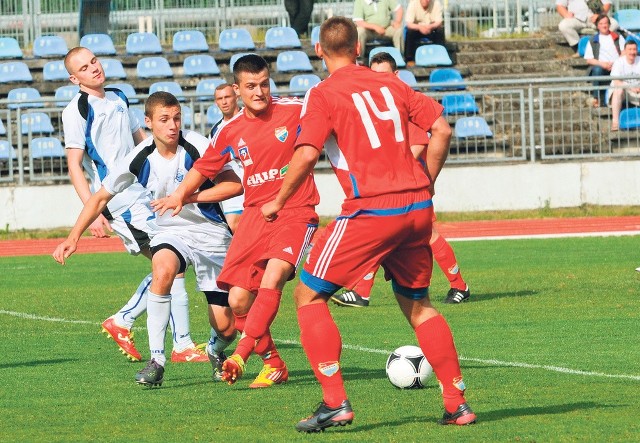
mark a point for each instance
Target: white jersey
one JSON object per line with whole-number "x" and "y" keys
{"x": 103, "y": 128}
{"x": 234, "y": 205}
{"x": 201, "y": 225}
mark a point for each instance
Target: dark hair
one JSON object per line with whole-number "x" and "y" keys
{"x": 160, "y": 98}
{"x": 601, "y": 16}
{"x": 630, "y": 42}
{"x": 251, "y": 63}
{"x": 339, "y": 36}
{"x": 222, "y": 86}
{"x": 384, "y": 57}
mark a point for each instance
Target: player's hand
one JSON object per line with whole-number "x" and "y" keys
{"x": 64, "y": 251}
{"x": 101, "y": 228}
{"x": 162, "y": 205}
{"x": 270, "y": 211}
{"x": 379, "y": 30}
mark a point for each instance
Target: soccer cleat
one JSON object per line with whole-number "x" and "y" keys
{"x": 350, "y": 298}
{"x": 216, "y": 359}
{"x": 462, "y": 416}
{"x": 232, "y": 369}
{"x": 638, "y": 269}
{"x": 152, "y": 374}
{"x": 325, "y": 417}
{"x": 193, "y": 354}
{"x": 270, "y": 376}
{"x": 457, "y": 296}
{"x": 123, "y": 338}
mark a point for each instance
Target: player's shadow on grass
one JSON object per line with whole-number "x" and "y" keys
{"x": 502, "y": 414}
{"x": 37, "y": 363}
{"x": 478, "y": 298}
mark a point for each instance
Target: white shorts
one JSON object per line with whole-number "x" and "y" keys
{"x": 132, "y": 228}
{"x": 206, "y": 264}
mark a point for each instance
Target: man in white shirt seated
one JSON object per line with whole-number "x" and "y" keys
{"x": 603, "y": 49}
{"x": 627, "y": 65}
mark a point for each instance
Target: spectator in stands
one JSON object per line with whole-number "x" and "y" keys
{"x": 373, "y": 19}
{"x": 603, "y": 49}
{"x": 299, "y": 14}
{"x": 424, "y": 18}
{"x": 627, "y": 65}
{"x": 580, "y": 14}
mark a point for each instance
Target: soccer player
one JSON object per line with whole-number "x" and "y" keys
{"x": 99, "y": 132}
{"x": 442, "y": 250}
{"x": 198, "y": 237}
{"x": 361, "y": 119}
{"x": 262, "y": 256}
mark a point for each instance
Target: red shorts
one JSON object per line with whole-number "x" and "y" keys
{"x": 256, "y": 241}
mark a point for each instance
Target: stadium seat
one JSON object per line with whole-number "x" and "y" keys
{"x": 315, "y": 35}
{"x": 300, "y": 83}
{"x": 7, "y": 151}
{"x": 143, "y": 43}
{"x": 395, "y": 53}
{"x": 21, "y": 95}
{"x": 50, "y": 46}
{"x": 472, "y": 127}
{"x": 272, "y": 85}
{"x": 213, "y": 115}
{"x": 46, "y": 147}
{"x": 150, "y": 67}
{"x": 55, "y": 71}
{"x": 446, "y": 75}
{"x": 64, "y": 94}
{"x": 14, "y": 72}
{"x": 207, "y": 86}
{"x": 190, "y": 40}
{"x": 187, "y": 117}
{"x": 113, "y": 68}
{"x": 582, "y": 44}
{"x": 36, "y": 123}
{"x": 459, "y": 104}
{"x": 3, "y": 130}
{"x": 10, "y": 48}
{"x": 139, "y": 114}
{"x": 235, "y": 58}
{"x": 127, "y": 89}
{"x": 99, "y": 44}
{"x": 171, "y": 87}
{"x": 407, "y": 77}
{"x": 237, "y": 39}
{"x": 289, "y": 61}
{"x": 628, "y": 19}
{"x": 432, "y": 55}
{"x": 630, "y": 118}
{"x": 635, "y": 39}
{"x": 280, "y": 37}
{"x": 200, "y": 64}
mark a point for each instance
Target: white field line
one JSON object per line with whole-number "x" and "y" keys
{"x": 542, "y": 236}
{"x": 511, "y": 364}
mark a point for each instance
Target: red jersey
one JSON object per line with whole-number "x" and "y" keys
{"x": 361, "y": 117}
{"x": 264, "y": 145}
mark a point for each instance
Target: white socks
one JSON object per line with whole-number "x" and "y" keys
{"x": 158, "y": 312}
{"x": 180, "y": 316}
{"x": 218, "y": 344}
{"x": 136, "y": 305}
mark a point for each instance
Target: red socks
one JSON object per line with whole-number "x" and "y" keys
{"x": 322, "y": 343}
{"x": 436, "y": 341}
{"x": 260, "y": 316}
{"x": 444, "y": 255}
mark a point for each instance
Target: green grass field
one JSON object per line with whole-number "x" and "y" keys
{"x": 548, "y": 344}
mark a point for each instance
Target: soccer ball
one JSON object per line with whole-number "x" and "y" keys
{"x": 407, "y": 368}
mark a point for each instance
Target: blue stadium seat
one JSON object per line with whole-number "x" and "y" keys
{"x": 55, "y": 71}
{"x": 280, "y": 37}
{"x": 459, "y": 104}
{"x": 628, "y": 19}
{"x": 432, "y": 55}
{"x": 113, "y": 68}
{"x": 237, "y": 39}
{"x": 143, "y": 43}
{"x": 36, "y": 123}
{"x": 207, "y": 86}
{"x": 395, "y": 53}
{"x": 7, "y": 151}
{"x": 10, "y": 48}
{"x": 272, "y": 86}
{"x": 446, "y": 75}
{"x": 187, "y": 116}
{"x": 635, "y": 39}
{"x": 150, "y": 67}
{"x": 315, "y": 35}
{"x": 171, "y": 87}
{"x": 50, "y": 46}
{"x": 213, "y": 114}
{"x": 200, "y": 64}
{"x": 300, "y": 83}
{"x": 64, "y": 94}
{"x": 99, "y": 44}
{"x": 22, "y": 95}
{"x": 3, "y": 130}
{"x": 472, "y": 127}
{"x": 630, "y": 118}
{"x": 14, "y": 72}
{"x": 407, "y": 77}
{"x": 235, "y": 58}
{"x": 190, "y": 40}
{"x": 139, "y": 114}
{"x": 289, "y": 61}
{"x": 582, "y": 44}
{"x": 46, "y": 147}
{"x": 127, "y": 89}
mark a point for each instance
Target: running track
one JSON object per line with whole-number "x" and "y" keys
{"x": 475, "y": 230}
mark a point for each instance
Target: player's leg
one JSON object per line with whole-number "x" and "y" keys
{"x": 445, "y": 257}
{"x": 359, "y": 295}
{"x": 223, "y": 331}
{"x": 184, "y": 349}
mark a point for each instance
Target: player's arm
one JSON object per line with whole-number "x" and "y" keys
{"x": 92, "y": 209}
{"x": 139, "y": 136}
{"x": 228, "y": 185}
{"x": 300, "y": 166}
{"x": 438, "y": 148}
{"x": 192, "y": 181}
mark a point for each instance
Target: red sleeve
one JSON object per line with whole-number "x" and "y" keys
{"x": 315, "y": 121}
{"x": 423, "y": 110}
{"x": 215, "y": 157}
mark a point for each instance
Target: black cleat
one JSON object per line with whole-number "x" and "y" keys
{"x": 216, "y": 359}
{"x": 325, "y": 417}
{"x": 152, "y": 374}
{"x": 462, "y": 416}
{"x": 350, "y": 298}
{"x": 457, "y": 296}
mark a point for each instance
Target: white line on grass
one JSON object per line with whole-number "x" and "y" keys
{"x": 373, "y": 350}
{"x": 545, "y": 236}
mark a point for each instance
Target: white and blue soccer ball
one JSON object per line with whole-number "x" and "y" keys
{"x": 407, "y": 368}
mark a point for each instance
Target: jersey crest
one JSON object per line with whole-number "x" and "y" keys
{"x": 245, "y": 156}
{"x": 282, "y": 133}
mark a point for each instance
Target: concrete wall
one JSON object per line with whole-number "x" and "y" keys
{"x": 459, "y": 188}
